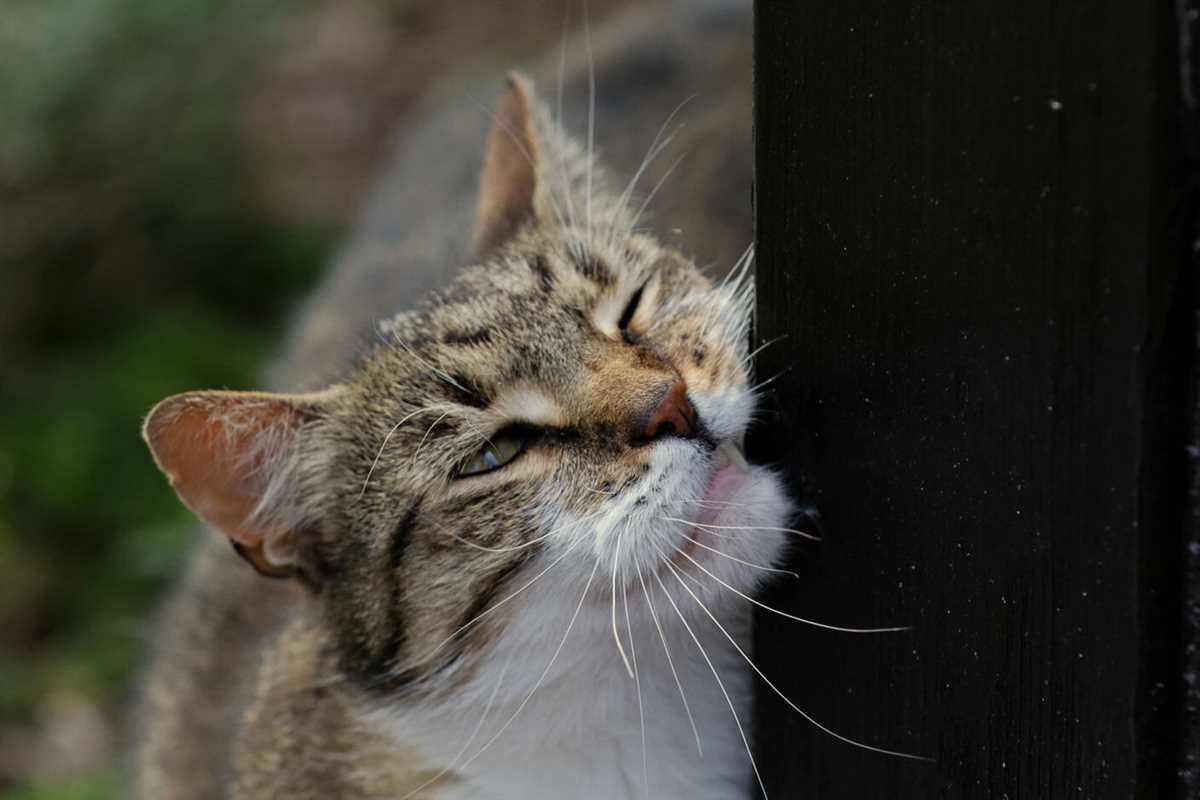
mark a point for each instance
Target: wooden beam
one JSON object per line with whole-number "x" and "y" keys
{"x": 974, "y": 225}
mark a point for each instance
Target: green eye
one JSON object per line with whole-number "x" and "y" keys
{"x": 502, "y": 449}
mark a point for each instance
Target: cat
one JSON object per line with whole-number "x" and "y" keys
{"x": 515, "y": 532}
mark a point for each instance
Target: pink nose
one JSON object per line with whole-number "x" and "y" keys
{"x": 674, "y": 416}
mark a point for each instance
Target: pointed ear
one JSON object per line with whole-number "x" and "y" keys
{"x": 508, "y": 185}
{"x": 231, "y": 458}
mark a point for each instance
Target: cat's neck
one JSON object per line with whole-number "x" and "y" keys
{"x": 520, "y": 729}
{"x": 542, "y": 716}
{"x": 303, "y": 735}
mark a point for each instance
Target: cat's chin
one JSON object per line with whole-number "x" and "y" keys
{"x": 701, "y": 520}
{"x": 734, "y": 539}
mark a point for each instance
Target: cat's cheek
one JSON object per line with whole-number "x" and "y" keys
{"x": 763, "y": 505}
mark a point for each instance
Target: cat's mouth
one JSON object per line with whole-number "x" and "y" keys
{"x": 730, "y": 471}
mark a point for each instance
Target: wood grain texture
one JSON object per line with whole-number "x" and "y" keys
{"x": 974, "y": 224}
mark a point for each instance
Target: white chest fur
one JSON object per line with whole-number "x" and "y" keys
{"x": 580, "y": 733}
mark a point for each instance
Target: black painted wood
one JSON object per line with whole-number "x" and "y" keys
{"x": 974, "y": 226}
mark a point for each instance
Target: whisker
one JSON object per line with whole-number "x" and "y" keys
{"x": 719, "y": 504}
{"x": 437, "y": 372}
{"x": 738, "y": 560}
{"x": 720, "y": 683}
{"x": 730, "y": 285}
{"x": 616, "y": 635}
{"x": 562, "y": 63}
{"x": 670, "y": 662}
{"x": 386, "y": 439}
{"x": 428, "y": 431}
{"x": 762, "y": 347}
{"x": 774, "y": 688}
{"x": 706, "y": 526}
{"x": 769, "y": 380}
{"x": 637, "y": 681}
{"x": 478, "y": 727}
{"x": 654, "y": 191}
{"x": 479, "y": 617}
{"x": 587, "y": 41}
{"x": 738, "y": 267}
{"x": 766, "y": 607}
{"x": 651, "y": 153}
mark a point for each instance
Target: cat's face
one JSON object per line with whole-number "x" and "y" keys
{"x": 563, "y": 423}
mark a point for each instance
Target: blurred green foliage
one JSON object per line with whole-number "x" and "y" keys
{"x": 135, "y": 262}
{"x": 102, "y": 785}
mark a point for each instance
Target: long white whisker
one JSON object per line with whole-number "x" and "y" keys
{"x": 769, "y": 380}
{"x": 670, "y": 662}
{"x": 545, "y": 672}
{"x": 720, "y": 683}
{"x": 654, "y": 191}
{"x": 740, "y": 292}
{"x": 736, "y": 269}
{"x": 719, "y": 504}
{"x": 480, "y": 616}
{"x": 737, "y": 273}
{"x": 766, "y": 607}
{"x": 562, "y": 167}
{"x": 439, "y": 373}
{"x": 655, "y": 150}
{"x": 744, "y": 563}
{"x": 386, "y": 439}
{"x": 775, "y": 688}
{"x": 706, "y": 526}
{"x": 739, "y": 281}
{"x": 587, "y": 40}
{"x": 616, "y": 634}
{"x": 428, "y": 431}
{"x": 637, "y": 682}
{"x": 651, "y": 153}
{"x": 762, "y": 347}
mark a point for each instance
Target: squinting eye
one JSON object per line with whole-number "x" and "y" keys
{"x": 627, "y": 315}
{"x": 630, "y": 309}
{"x": 494, "y": 454}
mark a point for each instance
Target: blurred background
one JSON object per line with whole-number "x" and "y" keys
{"x": 173, "y": 175}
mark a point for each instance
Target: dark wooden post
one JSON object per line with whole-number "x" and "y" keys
{"x": 974, "y": 226}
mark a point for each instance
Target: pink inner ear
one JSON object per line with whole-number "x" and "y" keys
{"x": 219, "y": 450}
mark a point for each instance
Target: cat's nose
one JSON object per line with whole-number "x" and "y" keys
{"x": 674, "y": 416}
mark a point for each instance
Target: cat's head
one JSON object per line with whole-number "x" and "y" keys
{"x": 569, "y": 413}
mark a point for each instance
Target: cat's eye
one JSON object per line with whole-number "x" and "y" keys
{"x": 501, "y": 449}
{"x": 627, "y": 315}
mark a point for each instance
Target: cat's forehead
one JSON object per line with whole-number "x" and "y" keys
{"x": 530, "y": 312}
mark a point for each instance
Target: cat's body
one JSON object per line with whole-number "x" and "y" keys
{"x": 375, "y": 675}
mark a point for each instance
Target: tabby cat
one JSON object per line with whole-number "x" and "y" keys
{"x": 515, "y": 531}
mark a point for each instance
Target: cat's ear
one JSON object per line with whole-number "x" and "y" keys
{"x": 231, "y": 457}
{"x": 508, "y": 185}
